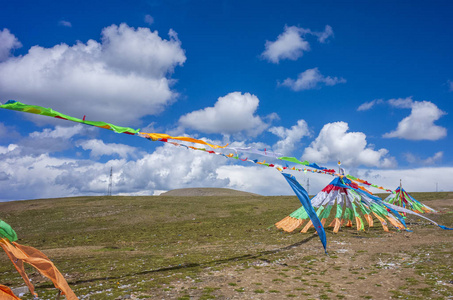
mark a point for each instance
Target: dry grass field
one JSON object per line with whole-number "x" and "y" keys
{"x": 225, "y": 247}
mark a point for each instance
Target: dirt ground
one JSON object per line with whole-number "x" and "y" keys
{"x": 191, "y": 263}
{"x": 398, "y": 265}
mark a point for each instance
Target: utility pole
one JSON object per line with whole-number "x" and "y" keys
{"x": 109, "y": 191}
{"x": 437, "y": 187}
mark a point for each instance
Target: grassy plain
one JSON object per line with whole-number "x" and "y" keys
{"x": 225, "y": 248}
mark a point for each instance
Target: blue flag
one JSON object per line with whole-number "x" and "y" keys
{"x": 302, "y": 194}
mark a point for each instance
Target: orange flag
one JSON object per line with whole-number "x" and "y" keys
{"x": 157, "y": 136}
{"x": 19, "y": 254}
{"x": 19, "y": 265}
{"x": 7, "y": 294}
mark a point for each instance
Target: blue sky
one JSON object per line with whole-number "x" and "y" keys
{"x": 365, "y": 82}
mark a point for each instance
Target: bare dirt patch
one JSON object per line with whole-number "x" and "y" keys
{"x": 357, "y": 268}
{"x": 407, "y": 265}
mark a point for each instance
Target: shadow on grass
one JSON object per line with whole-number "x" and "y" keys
{"x": 197, "y": 265}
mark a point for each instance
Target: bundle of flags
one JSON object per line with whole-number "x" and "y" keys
{"x": 401, "y": 198}
{"x": 351, "y": 205}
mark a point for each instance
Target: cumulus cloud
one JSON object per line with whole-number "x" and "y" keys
{"x": 10, "y": 148}
{"x": 172, "y": 167}
{"x": 47, "y": 141}
{"x": 40, "y": 175}
{"x": 311, "y": 79}
{"x": 290, "y": 138}
{"x": 291, "y": 43}
{"x": 25, "y": 176}
{"x": 58, "y": 132}
{"x": 370, "y": 105}
{"x": 231, "y": 114}
{"x": 169, "y": 167}
{"x": 8, "y": 42}
{"x": 351, "y": 148}
{"x": 31, "y": 177}
{"x": 121, "y": 79}
{"x": 419, "y": 125}
{"x": 98, "y": 148}
{"x": 254, "y": 180}
{"x": 65, "y": 23}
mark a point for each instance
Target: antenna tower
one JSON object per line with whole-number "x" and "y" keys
{"x": 109, "y": 191}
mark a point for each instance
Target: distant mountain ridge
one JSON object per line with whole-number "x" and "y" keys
{"x": 197, "y": 192}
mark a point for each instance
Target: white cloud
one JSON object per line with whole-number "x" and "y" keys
{"x": 48, "y": 140}
{"x": 149, "y": 19}
{"x": 31, "y": 177}
{"x": 65, "y": 23}
{"x": 26, "y": 176}
{"x": 11, "y": 147}
{"x": 8, "y": 42}
{"x": 401, "y": 102}
{"x": 419, "y": 125}
{"x": 141, "y": 51}
{"x": 169, "y": 167}
{"x": 291, "y": 43}
{"x": 58, "y": 132}
{"x": 231, "y": 114}
{"x": 396, "y": 102}
{"x": 98, "y": 148}
{"x": 290, "y": 138}
{"x": 369, "y": 105}
{"x": 433, "y": 159}
{"x": 335, "y": 143}
{"x": 121, "y": 79}
{"x": 413, "y": 159}
{"x": 324, "y": 35}
{"x": 310, "y": 79}
{"x": 414, "y": 180}
{"x": 254, "y": 179}
{"x": 450, "y": 85}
